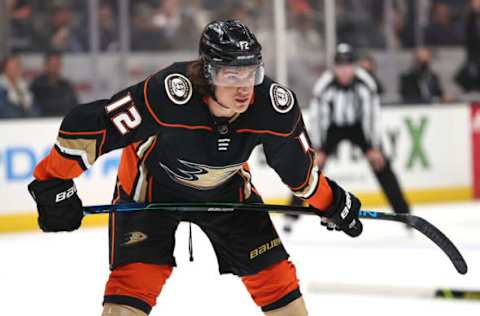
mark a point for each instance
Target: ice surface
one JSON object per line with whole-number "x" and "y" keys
{"x": 64, "y": 273}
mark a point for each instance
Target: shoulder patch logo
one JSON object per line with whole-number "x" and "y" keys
{"x": 178, "y": 88}
{"x": 282, "y": 98}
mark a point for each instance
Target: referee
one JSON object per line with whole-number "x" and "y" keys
{"x": 346, "y": 106}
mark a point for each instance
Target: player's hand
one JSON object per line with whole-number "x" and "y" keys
{"x": 376, "y": 159}
{"x": 343, "y": 213}
{"x": 329, "y": 225}
{"x": 59, "y": 207}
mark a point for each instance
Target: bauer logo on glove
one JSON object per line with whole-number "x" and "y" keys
{"x": 65, "y": 194}
{"x": 59, "y": 207}
{"x": 348, "y": 204}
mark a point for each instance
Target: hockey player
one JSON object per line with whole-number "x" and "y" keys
{"x": 346, "y": 106}
{"x": 187, "y": 133}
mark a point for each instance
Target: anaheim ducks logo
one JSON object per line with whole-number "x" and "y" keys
{"x": 132, "y": 238}
{"x": 178, "y": 88}
{"x": 198, "y": 176}
{"x": 282, "y": 98}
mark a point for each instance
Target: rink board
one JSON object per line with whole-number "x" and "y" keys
{"x": 430, "y": 148}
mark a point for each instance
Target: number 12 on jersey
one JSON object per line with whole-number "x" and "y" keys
{"x": 127, "y": 117}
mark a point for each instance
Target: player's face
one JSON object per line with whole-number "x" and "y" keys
{"x": 236, "y": 98}
{"x": 234, "y": 87}
{"x": 344, "y": 73}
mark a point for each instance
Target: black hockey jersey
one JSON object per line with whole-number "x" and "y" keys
{"x": 171, "y": 142}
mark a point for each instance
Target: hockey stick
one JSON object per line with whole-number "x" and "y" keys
{"x": 420, "y": 224}
{"x": 392, "y": 291}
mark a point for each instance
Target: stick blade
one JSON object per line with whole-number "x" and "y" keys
{"x": 442, "y": 241}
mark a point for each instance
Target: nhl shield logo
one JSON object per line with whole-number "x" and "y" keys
{"x": 282, "y": 98}
{"x": 178, "y": 88}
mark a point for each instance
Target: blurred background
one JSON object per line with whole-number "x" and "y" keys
{"x": 107, "y": 44}
{"x": 58, "y": 53}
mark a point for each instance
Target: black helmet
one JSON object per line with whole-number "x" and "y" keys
{"x": 344, "y": 54}
{"x": 229, "y": 43}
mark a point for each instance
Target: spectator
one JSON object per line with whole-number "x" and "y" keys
{"x": 421, "y": 84}
{"x": 108, "y": 28}
{"x": 468, "y": 77}
{"x": 54, "y": 95}
{"x": 22, "y": 35}
{"x": 15, "y": 98}
{"x": 196, "y": 13}
{"x": 161, "y": 26}
{"x": 61, "y": 34}
{"x": 238, "y": 10}
{"x": 368, "y": 63}
{"x": 472, "y": 33}
{"x": 357, "y": 24}
{"x": 442, "y": 31}
{"x": 305, "y": 59}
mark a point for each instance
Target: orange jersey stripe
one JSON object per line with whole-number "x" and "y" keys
{"x": 129, "y": 165}
{"x": 150, "y": 181}
{"x": 102, "y": 131}
{"x": 150, "y": 149}
{"x": 128, "y": 168}
{"x": 112, "y": 227}
{"x": 57, "y": 166}
{"x": 266, "y": 131}
{"x": 262, "y": 131}
{"x": 322, "y": 199}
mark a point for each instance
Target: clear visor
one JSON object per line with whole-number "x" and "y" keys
{"x": 237, "y": 76}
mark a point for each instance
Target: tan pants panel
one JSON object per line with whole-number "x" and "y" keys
{"x": 295, "y": 308}
{"x": 121, "y": 310}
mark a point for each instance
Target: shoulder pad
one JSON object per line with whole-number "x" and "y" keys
{"x": 275, "y": 108}
{"x": 281, "y": 98}
{"x": 170, "y": 96}
{"x": 178, "y": 88}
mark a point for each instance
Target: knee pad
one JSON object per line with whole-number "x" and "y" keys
{"x": 136, "y": 285}
{"x": 273, "y": 287}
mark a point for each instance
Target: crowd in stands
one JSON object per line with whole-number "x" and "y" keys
{"x": 49, "y": 94}
{"x": 61, "y": 27}
{"x": 16, "y": 99}
{"x": 174, "y": 24}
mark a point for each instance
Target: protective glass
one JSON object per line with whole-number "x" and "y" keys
{"x": 237, "y": 76}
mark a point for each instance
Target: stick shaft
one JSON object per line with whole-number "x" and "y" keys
{"x": 416, "y": 222}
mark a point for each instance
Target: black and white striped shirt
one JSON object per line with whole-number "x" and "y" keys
{"x": 345, "y": 106}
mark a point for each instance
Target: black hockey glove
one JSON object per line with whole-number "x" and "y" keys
{"x": 59, "y": 207}
{"x": 343, "y": 214}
